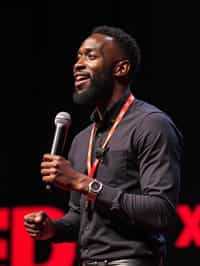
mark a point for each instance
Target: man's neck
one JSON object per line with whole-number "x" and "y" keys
{"x": 102, "y": 107}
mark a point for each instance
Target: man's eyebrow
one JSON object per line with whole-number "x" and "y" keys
{"x": 88, "y": 49}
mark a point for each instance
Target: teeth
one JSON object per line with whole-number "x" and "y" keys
{"x": 80, "y": 78}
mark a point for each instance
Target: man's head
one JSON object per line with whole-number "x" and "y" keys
{"x": 106, "y": 61}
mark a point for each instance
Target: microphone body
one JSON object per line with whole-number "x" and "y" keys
{"x": 62, "y": 123}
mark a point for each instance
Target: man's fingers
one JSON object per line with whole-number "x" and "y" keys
{"x": 33, "y": 231}
{"x": 50, "y": 157}
{"x": 48, "y": 164}
{"x": 36, "y": 217}
{"x": 29, "y": 218}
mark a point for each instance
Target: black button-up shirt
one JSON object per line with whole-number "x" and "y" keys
{"x": 140, "y": 172}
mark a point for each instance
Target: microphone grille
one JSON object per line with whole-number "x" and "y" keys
{"x": 63, "y": 118}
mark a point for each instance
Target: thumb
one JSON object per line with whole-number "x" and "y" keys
{"x": 40, "y": 216}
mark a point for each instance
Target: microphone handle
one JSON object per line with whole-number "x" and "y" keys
{"x": 58, "y": 145}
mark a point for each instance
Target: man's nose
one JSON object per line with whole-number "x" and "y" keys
{"x": 79, "y": 65}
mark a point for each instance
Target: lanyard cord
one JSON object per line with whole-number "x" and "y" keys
{"x": 92, "y": 168}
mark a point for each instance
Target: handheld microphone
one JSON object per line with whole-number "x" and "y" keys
{"x": 62, "y": 123}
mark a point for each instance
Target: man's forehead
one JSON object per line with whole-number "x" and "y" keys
{"x": 97, "y": 41}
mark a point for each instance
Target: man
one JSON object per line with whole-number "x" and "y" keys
{"x": 123, "y": 170}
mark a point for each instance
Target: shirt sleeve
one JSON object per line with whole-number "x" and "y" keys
{"x": 67, "y": 227}
{"x": 159, "y": 151}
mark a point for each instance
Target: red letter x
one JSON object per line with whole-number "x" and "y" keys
{"x": 191, "y": 230}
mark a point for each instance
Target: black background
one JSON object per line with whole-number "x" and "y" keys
{"x": 38, "y": 44}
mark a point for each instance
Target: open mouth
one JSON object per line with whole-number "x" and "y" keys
{"x": 81, "y": 82}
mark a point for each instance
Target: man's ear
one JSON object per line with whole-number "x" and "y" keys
{"x": 122, "y": 68}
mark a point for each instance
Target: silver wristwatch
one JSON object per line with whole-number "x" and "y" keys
{"x": 95, "y": 187}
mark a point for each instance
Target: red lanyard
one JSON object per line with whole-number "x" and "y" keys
{"x": 92, "y": 168}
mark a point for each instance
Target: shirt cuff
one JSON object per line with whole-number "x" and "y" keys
{"x": 63, "y": 231}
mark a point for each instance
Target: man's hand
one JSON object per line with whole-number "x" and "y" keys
{"x": 57, "y": 170}
{"x": 39, "y": 225}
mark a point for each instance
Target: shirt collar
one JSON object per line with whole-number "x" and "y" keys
{"x": 111, "y": 113}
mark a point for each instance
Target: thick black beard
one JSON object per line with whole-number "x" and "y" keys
{"x": 99, "y": 92}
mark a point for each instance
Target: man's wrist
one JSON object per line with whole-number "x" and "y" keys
{"x": 90, "y": 187}
{"x": 95, "y": 187}
{"x": 84, "y": 184}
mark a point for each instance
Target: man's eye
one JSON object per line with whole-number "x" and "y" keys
{"x": 91, "y": 56}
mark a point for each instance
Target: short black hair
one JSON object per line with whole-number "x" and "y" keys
{"x": 126, "y": 42}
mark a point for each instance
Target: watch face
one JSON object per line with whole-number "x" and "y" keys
{"x": 95, "y": 185}
{"x": 94, "y": 188}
